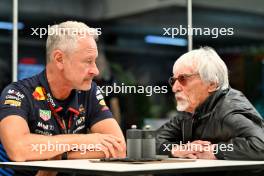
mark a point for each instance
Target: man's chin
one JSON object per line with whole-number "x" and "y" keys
{"x": 181, "y": 110}
{"x": 182, "y": 107}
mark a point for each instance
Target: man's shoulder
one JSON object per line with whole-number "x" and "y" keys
{"x": 235, "y": 99}
{"x": 25, "y": 86}
{"x": 235, "y": 102}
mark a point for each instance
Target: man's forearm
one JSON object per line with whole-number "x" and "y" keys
{"x": 241, "y": 149}
{"x": 39, "y": 147}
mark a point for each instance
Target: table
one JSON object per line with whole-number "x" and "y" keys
{"x": 108, "y": 168}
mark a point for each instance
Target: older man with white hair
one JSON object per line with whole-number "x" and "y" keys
{"x": 213, "y": 121}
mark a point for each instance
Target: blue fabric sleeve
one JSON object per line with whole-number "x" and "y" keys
{"x": 13, "y": 101}
{"x": 98, "y": 109}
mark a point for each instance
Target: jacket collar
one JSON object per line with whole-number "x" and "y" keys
{"x": 74, "y": 103}
{"x": 206, "y": 108}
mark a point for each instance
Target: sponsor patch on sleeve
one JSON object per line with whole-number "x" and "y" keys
{"x": 99, "y": 95}
{"x": 14, "y": 98}
{"x": 13, "y": 103}
{"x": 100, "y": 98}
{"x": 14, "y": 95}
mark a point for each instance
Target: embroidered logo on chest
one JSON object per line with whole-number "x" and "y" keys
{"x": 44, "y": 114}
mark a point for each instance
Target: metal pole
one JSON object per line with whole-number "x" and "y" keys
{"x": 15, "y": 40}
{"x": 189, "y": 24}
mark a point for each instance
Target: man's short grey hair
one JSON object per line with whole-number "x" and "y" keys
{"x": 208, "y": 64}
{"x": 64, "y": 36}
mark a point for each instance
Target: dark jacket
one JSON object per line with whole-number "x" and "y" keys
{"x": 225, "y": 118}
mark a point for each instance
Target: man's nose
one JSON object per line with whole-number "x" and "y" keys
{"x": 176, "y": 87}
{"x": 94, "y": 70}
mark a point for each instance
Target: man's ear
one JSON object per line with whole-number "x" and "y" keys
{"x": 58, "y": 57}
{"x": 212, "y": 87}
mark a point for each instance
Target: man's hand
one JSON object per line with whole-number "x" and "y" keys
{"x": 183, "y": 151}
{"x": 110, "y": 126}
{"x": 195, "y": 150}
{"x": 111, "y": 146}
{"x": 208, "y": 150}
{"x": 189, "y": 150}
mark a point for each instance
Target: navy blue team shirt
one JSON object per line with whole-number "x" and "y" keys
{"x": 32, "y": 99}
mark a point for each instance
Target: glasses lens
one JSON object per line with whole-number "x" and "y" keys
{"x": 172, "y": 81}
{"x": 182, "y": 79}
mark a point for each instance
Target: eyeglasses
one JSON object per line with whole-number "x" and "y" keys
{"x": 181, "y": 78}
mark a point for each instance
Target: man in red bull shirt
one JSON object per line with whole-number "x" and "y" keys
{"x": 61, "y": 105}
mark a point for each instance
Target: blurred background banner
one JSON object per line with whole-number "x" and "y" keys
{"x": 140, "y": 41}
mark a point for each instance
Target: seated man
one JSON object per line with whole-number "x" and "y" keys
{"x": 48, "y": 115}
{"x": 213, "y": 121}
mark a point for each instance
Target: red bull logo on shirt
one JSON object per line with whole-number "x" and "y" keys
{"x": 38, "y": 94}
